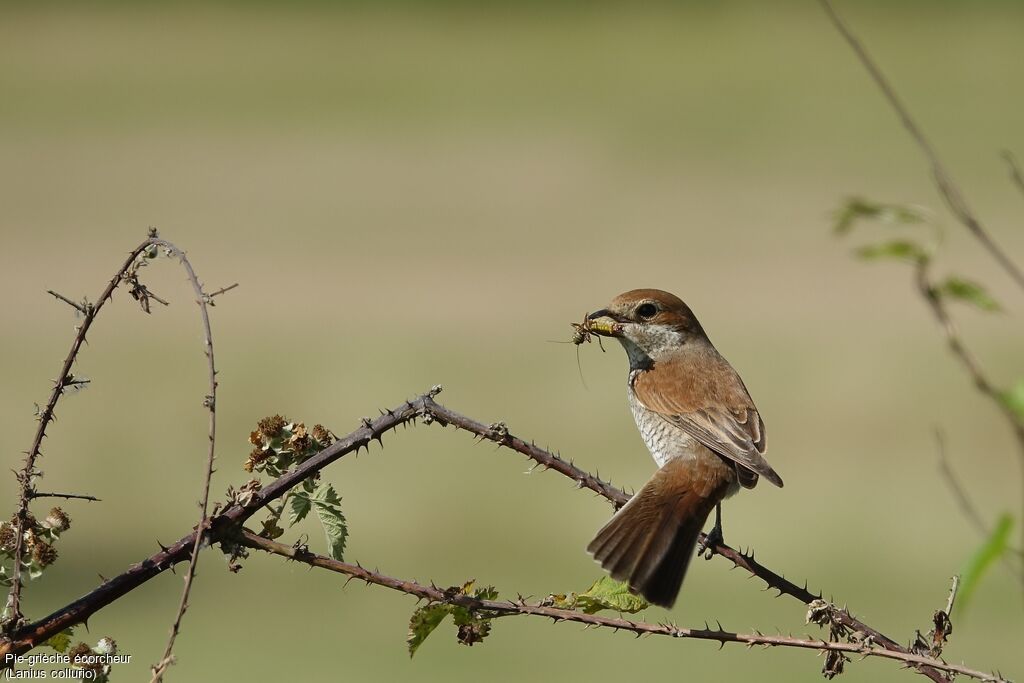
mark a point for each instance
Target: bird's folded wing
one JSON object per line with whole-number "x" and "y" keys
{"x": 699, "y": 409}
{"x": 736, "y": 434}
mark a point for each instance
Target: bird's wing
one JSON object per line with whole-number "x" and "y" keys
{"x": 713, "y": 407}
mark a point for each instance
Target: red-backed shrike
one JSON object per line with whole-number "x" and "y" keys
{"x": 701, "y": 426}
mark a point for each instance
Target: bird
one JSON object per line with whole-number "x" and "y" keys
{"x": 698, "y": 421}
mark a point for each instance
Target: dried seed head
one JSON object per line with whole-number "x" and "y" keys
{"x": 43, "y": 553}
{"x": 323, "y": 435}
{"x": 58, "y": 519}
{"x": 257, "y": 457}
{"x": 272, "y": 426}
{"x": 7, "y": 537}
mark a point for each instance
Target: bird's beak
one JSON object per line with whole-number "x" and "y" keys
{"x": 604, "y": 323}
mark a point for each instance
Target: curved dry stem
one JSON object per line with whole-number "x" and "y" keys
{"x": 203, "y": 300}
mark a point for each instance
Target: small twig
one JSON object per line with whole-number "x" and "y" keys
{"x": 948, "y": 189}
{"x": 521, "y": 607}
{"x": 155, "y": 298}
{"x": 70, "y": 496}
{"x": 78, "y": 307}
{"x": 1015, "y": 173}
{"x": 221, "y": 291}
{"x": 969, "y": 362}
{"x": 963, "y": 500}
{"x": 954, "y": 587}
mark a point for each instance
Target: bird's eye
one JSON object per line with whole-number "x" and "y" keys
{"x": 646, "y": 311}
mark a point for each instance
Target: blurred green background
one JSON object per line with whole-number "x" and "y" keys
{"x": 412, "y": 194}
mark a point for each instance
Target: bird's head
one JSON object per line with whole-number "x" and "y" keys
{"x": 649, "y": 323}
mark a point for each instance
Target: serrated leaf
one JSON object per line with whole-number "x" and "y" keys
{"x": 858, "y": 208}
{"x": 1013, "y": 399}
{"x": 607, "y": 593}
{"x": 958, "y": 288}
{"x": 299, "y": 506}
{"x": 423, "y": 622}
{"x": 328, "y": 508}
{"x": 896, "y": 249}
{"x": 60, "y": 641}
{"x": 990, "y": 551}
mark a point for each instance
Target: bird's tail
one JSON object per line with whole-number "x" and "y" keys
{"x": 650, "y": 541}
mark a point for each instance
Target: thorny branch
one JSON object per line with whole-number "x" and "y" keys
{"x": 225, "y": 526}
{"x": 128, "y": 273}
{"x": 499, "y": 434}
{"x": 68, "y": 496}
{"x": 218, "y": 527}
{"x": 864, "y": 648}
{"x": 948, "y": 189}
{"x": 28, "y": 471}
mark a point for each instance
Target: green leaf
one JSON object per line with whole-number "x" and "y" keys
{"x": 858, "y": 208}
{"x": 897, "y": 249}
{"x": 61, "y": 641}
{"x": 423, "y": 622}
{"x": 299, "y": 506}
{"x": 328, "y": 508}
{"x": 990, "y": 551}
{"x": 605, "y": 593}
{"x": 471, "y": 628}
{"x": 1013, "y": 399}
{"x": 958, "y": 288}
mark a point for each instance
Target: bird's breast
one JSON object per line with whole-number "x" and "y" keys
{"x": 664, "y": 441}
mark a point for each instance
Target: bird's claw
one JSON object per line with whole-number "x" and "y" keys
{"x": 713, "y": 539}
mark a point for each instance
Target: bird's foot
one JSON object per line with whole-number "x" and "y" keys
{"x": 711, "y": 540}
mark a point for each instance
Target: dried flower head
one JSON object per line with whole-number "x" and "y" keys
{"x": 58, "y": 519}
{"x": 323, "y": 435}
{"x": 43, "y": 553}
{"x": 272, "y": 426}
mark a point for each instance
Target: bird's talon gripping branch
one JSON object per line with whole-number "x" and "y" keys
{"x": 714, "y": 538}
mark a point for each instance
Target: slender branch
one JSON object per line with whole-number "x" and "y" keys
{"x": 220, "y": 291}
{"x": 210, "y": 403}
{"x": 964, "y": 501}
{"x": 959, "y": 492}
{"x": 28, "y": 471}
{"x": 521, "y": 607}
{"x": 937, "y": 305}
{"x": 78, "y": 307}
{"x": 1015, "y": 173}
{"x": 948, "y": 189}
{"x": 69, "y": 496}
{"x": 954, "y": 587}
